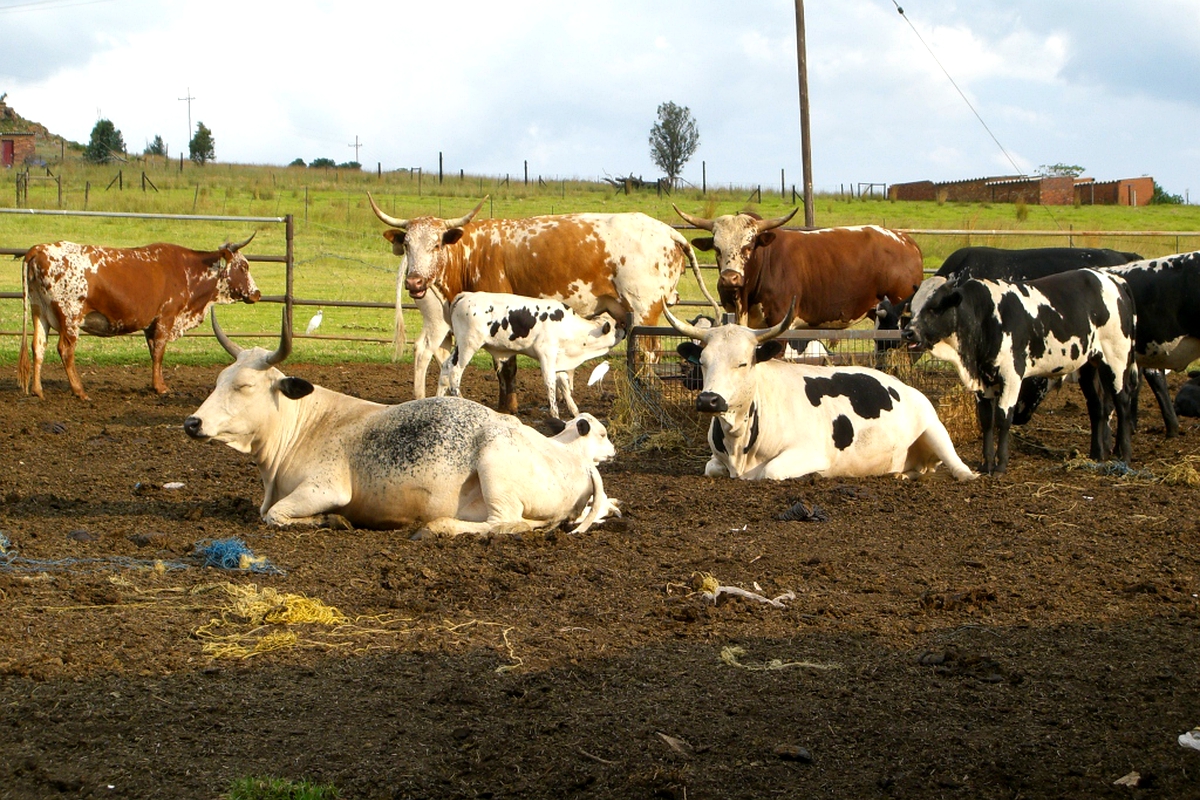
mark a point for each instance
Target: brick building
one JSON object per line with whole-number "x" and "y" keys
{"x": 1124, "y": 192}
{"x": 1033, "y": 190}
{"x": 15, "y": 148}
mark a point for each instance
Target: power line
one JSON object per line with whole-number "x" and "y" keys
{"x": 961, "y": 94}
{"x": 957, "y": 89}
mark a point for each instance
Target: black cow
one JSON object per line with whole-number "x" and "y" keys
{"x": 1187, "y": 400}
{"x": 997, "y": 333}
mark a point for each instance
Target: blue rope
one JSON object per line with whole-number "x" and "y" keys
{"x": 233, "y": 554}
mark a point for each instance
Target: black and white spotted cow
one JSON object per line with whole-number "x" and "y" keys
{"x": 774, "y": 419}
{"x": 997, "y": 333}
{"x": 1166, "y": 292}
{"x": 1003, "y": 264}
{"x": 507, "y": 325}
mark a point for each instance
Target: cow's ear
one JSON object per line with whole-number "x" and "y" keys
{"x": 767, "y": 351}
{"x": 295, "y": 388}
{"x": 555, "y": 426}
{"x": 583, "y": 426}
{"x": 690, "y": 351}
{"x": 951, "y": 300}
{"x": 452, "y": 236}
{"x": 396, "y": 237}
{"x": 765, "y": 238}
{"x": 704, "y": 243}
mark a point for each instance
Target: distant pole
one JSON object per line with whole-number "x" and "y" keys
{"x": 805, "y": 147}
{"x": 526, "y": 173}
{"x": 703, "y": 177}
{"x": 189, "y": 100}
{"x": 439, "y": 167}
{"x": 357, "y": 145}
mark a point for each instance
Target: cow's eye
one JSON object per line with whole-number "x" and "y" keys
{"x": 743, "y": 365}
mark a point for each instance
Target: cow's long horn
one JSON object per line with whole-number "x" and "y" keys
{"x": 699, "y": 222}
{"x": 395, "y": 222}
{"x": 225, "y": 341}
{"x": 767, "y": 334}
{"x": 768, "y": 224}
{"x": 285, "y": 342}
{"x": 686, "y": 328}
{"x": 236, "y": 247}
{"x": 463, "y": 220}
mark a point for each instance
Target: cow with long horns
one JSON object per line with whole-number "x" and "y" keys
{"x": 332, "y": 460}
{"x": 616, "y": 263}
{"x": 774, "y": 419}
{"x": 835, "y": 275}
{"x": 161, "y": 290}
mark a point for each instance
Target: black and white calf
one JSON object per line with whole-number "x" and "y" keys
{"x": 775, "y": 419}
{"x": 507, "y": 325}
{"x": 997, "y": 333}
{"x": 1187, "y": 399}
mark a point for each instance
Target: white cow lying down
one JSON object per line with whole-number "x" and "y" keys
{"x": 329, "y": 459}
{"x": 776, "y": 420}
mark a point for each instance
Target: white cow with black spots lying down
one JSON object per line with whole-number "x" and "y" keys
{"x": 507, "y": 325}
{"x": 329, "y": 459}
{"x": 773, "y": 419}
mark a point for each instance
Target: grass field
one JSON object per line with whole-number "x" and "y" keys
{"x": 340, "y": 255}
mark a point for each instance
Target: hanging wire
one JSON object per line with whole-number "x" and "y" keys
{"x": 961, "y": 94}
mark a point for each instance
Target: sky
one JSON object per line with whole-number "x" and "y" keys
{"x": 948, "y": 90}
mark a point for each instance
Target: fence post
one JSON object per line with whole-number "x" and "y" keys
{"x": 289, "y": 237}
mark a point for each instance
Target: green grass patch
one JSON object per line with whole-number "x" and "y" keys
{"x": 280, "y": 789}
{"x": 340, "y": 254}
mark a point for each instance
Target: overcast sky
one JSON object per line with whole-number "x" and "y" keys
{"x": 573, "y": 88}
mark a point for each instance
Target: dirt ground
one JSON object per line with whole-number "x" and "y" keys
{"x": 1033, "y": 635}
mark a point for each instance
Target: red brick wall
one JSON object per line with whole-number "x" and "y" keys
{"x": 22, "y": 147}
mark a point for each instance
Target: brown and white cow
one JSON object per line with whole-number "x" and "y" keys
{"x": 837, "y": 275}
{"x": 162, "y": 290}
{"x": 617, "y": 263}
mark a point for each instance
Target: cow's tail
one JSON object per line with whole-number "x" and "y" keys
{"x": 23, "y": 368}
{"x": 400, "y": 337}
{"x": 690, "y": 253}
{"x": 601, "y": 504}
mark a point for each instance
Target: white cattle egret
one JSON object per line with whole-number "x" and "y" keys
{"x": 598, "y": 373}
{"x": 314, "y": 323}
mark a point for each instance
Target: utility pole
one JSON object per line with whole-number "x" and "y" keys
{"x": 189, "y": 100}
{"x": 357, "y": 144}
{"x": 805, "y": 147}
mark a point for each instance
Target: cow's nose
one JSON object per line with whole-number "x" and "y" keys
{"x": 191, "y": 427}
{"x": 415, "y": 286}
{"x": 908, "y": 335}
{"x": 254, "y": 296}
{"x": 711, "y": 403}
{"x": 731, "y": 278}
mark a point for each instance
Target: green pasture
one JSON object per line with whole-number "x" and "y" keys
{"x": 340, "y": 254}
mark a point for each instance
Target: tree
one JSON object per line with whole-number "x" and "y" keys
{"x": 299, "y": 162}
{"x": 1162, "y": 197}
{"x": 673, "y": 139}
{"x": 1060, "y": 170}
{"x": 200, "y": 148}
{"x": 156, "y": 148}
{"x": 322, "y": 163}
{"x": 106, "y": 143}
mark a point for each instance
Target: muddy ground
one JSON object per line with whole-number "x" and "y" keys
{"x": 1032, "y": 636}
